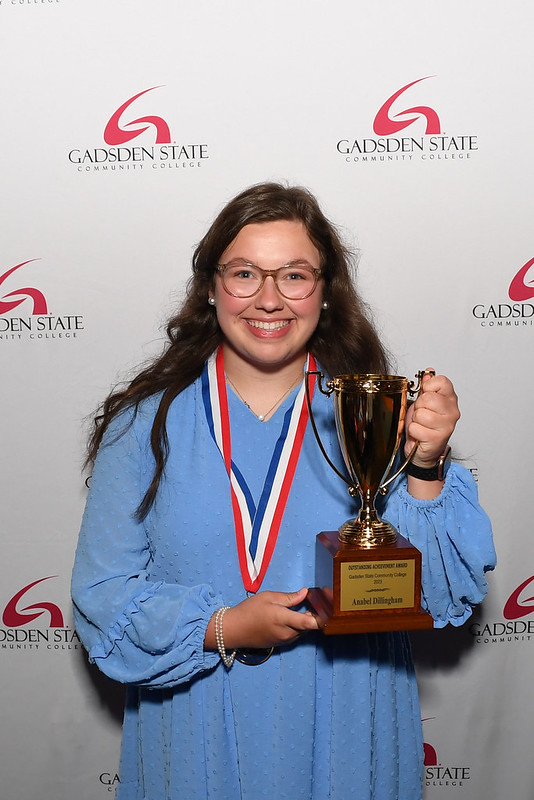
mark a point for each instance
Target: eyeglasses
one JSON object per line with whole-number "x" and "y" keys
{"x": 294, "y": 281}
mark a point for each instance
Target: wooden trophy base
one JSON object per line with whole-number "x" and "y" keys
{"x": 367, "y": 589}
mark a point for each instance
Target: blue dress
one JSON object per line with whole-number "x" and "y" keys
{"x": 328, "y": 718}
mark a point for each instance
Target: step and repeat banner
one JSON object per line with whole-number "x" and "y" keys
{"x": 125, "y": 128}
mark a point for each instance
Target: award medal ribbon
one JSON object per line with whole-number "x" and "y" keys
{"x": 256, "y": 527}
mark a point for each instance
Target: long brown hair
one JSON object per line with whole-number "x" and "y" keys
{"x": 344, "y": 341}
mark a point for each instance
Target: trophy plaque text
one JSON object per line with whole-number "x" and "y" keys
{"x": 368, "y": 575}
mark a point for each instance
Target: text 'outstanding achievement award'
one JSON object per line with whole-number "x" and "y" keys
{"x": 368, "y": 575}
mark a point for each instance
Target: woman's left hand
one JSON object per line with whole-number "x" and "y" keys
{"x": 431, "y": 419}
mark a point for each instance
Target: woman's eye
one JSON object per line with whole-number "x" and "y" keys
{"x": 294, "y": 275}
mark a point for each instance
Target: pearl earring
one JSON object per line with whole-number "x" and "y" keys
{"x": 325, "y": 304}
{"x": 211, "y": 301}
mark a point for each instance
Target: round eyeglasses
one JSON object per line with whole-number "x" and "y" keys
{"x": 293, "y": 281}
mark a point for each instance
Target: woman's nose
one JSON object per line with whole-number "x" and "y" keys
{"x": 269, "y": 297}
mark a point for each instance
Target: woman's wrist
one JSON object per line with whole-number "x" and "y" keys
{"x": 430, "y": 470}
{"x": 214, "y": 638}
{"x": 226, "y": 658}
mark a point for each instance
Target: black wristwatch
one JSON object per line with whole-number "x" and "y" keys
{"x": 435, "y": 473}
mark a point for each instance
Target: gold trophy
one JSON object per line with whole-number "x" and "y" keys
{"x": 369, "y": 575}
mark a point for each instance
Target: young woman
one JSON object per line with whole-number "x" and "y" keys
{"x": 198, "y": 539}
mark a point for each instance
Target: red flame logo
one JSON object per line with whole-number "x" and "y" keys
{"x": 14, "y": 617}
{"x": 38, "y": 298}
{"x": 521, "y": 289}
{"x": 385, "y": 124}
{"x": 517, "y": 606}
{"x": 118, "y": 132}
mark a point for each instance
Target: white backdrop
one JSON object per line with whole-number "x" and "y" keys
{"x": 99, "y": 214}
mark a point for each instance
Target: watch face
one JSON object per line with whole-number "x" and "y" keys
{"x": 253, "y": 656}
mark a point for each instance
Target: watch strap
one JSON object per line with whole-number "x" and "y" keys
{"x": 435, "y": 473}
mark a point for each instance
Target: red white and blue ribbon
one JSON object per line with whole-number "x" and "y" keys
{"x": 256, "y": 527}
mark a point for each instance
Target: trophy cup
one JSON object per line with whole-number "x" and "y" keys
{"x": 368, "y": 575}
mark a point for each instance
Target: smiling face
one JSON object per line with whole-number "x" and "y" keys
{"x": 268, "y": 331}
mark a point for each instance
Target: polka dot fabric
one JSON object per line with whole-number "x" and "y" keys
{"x": 329, "y": 718}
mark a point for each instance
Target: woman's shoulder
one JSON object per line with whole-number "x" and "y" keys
{"x": 137, "y": 420}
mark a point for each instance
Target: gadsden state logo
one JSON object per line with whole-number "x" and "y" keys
{"x": 517, "y": 624}
{"x": 438, "y": 774}
{"x": 25, "y": 311}
{"x": 137, "y": 141}
{"x": 32, "y": 621}
{"x": 515, "y": 311}
{"x": 397, "y": 127}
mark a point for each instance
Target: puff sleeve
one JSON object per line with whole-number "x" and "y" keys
{"x": 135, "y": 629}
{"x": 454, "y": 535}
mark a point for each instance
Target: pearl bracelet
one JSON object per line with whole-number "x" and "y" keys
{"x": 227, "y": 660}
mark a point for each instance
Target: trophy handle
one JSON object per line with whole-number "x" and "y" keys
{"x": 328, "y": 391}
{"x": 329, "y": 388}
{"x": 383, "y": 489}
{"x": 414, "y": 387}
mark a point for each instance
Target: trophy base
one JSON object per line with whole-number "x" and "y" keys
{"x": 367, "y": 589}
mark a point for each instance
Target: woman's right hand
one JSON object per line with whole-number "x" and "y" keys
{"x": 263, "y": 620}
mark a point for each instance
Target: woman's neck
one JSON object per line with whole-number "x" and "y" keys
{"x": 262, "y": 388}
